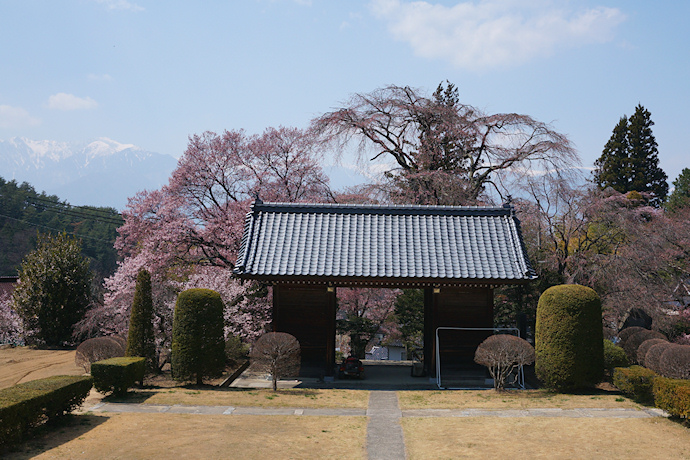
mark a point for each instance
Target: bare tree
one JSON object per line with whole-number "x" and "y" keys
{"x": 446, "y": 152}
{"x": 277, "y": 353}
{"x": 503, "y": 354}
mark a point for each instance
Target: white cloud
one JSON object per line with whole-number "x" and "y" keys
{"x": 16, "y": 117}
{"x": 64, "y": 101}
{"x": 494, "y": 33}
{"x": 120, "y": 5}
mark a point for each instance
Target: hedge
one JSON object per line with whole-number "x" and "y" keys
{"x": 27, "y": 405}
{"x": 636, "y": 382}
{"x": 624, "y": 334}
{"x": 614, "y": 356}
{"x": 652, "y": 359}
{"x": 569, "y": 338}
{"x": 644, "y": 348}
{"x": 116, "y": 375}
{"x": 673, "y": 396}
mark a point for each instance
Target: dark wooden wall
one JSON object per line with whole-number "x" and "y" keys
{"x": 308, "y": 313}
{"x": 455, "y": 307}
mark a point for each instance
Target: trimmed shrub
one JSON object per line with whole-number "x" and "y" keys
{"x": 140, "y": 339}
{"x": 117, "y": 375}
{"x": 98, "y": 349}
{"x": 636, "y": 340}
{"x": 27, "y": 405}
{"x": 675, "y": 362}
{"x": 198, "y": 346}
{"x": 277, "y": 353}
{"x": 503, "y": 355}
{"x": 569, "y": 338}
{"x": 636, "y": 382}
{"x": 644, "y": 348}
{"x": 673, "y": 396}
{"x": 614, "y": 356}
{"x": 624, "y": 334}
{"x": 652, "y": 359}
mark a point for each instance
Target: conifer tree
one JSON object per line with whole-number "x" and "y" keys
{"x": 680, "y": 198}
{"x": 630, "y": 159}
{"x": 140, "y": 339}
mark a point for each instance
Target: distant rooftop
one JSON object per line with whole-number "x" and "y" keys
{"x": 344, "y": 243}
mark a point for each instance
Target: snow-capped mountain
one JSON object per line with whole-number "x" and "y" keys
{"x": 98, "y": 173}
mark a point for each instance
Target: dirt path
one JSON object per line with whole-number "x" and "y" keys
{"x": 23, "y": 364}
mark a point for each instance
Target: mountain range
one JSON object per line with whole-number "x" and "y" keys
{"x": 102, "y": 172}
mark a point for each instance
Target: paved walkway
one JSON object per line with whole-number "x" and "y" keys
{"x": 384, "y": 433}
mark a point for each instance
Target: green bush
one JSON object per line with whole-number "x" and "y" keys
{"x": 198, "y": 346}
{"x": 236, "y": 351}
{"x": 635, "y": 340}
{"x": 636, "y": 382}
{"x": 673, "y": 396}
{"x": 569, "y": 338}
{"x": 27, "y": 405}
{"x": 614, "y": 356}
{"x": 140, "y": 339}
{"x": 116, "y": 375}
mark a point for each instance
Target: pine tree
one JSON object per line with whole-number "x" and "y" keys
{"x": 140, "y": 339}
{"x": 630, "y": 159}
{"x": 680, "y": 198}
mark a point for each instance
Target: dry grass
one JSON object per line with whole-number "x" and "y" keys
{"x": 584, "y": 438}
{"x": 525, "y": 399}
{"x": 23, "y": 364}
{"x": 308, "y": 398}
{"x": 165, "y": 436}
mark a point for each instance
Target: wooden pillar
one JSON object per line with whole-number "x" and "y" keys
{"x": 429, "y": 332}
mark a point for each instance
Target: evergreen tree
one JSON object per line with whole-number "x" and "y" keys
{"x": 140, "y": 339}
{"x": 54, "y": 290}
{"x": 630, "y": 159}
{"x": 680, "y": 198}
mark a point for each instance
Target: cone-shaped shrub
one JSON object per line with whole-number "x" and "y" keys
{"x": 198, "y": 345}
{"x": 569, "y": 338}
{"x": 141, "y": 340}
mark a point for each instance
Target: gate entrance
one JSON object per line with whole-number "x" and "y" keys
{"x": 457, "y": 255}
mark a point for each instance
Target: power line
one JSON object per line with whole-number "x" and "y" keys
{"x": 55, "y": 229}
{"x": 90, "y": 209}
{"x": 74, "y": 213}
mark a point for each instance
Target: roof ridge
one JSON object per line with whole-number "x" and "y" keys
{"x": 378, "y": 208}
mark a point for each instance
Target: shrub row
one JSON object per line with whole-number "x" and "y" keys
{"x": 27, "y": 405}
{"x": 116, "y": 375}
{"x": 636, "y": 382}
{"x": 673, "y": 396}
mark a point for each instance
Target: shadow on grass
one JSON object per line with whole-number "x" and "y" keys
{"x": 52, "y": 435}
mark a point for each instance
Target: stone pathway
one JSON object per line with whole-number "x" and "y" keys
{"x": 384, "y": 433}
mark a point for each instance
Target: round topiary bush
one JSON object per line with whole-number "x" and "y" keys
{"x": 635, "y": 340}
{"x": 198, "y": 345}
{"x": 97, "y": 349}
{"x": 503, "y": 355}
{"x": 624, "y": 334}
{"x": 644, "y": 348}
{"x": 675, "y": 362}
{"x": 569, "y": 338}
{"x": 653, "y": 356}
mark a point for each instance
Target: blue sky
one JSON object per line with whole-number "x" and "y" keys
{"x": 153, "y": 72}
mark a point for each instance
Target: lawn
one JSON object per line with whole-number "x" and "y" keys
{"x": 523, "y": 399}
{"x": 294, "y": 397}
{"x": 165, "y": 436}
{"x": 531, "y": 437}
{"x": 22, "y": 364}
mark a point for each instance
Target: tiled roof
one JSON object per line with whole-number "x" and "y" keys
{"x": 285, "y": 241}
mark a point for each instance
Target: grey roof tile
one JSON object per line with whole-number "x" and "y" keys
{"x": 382, "y": 242}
